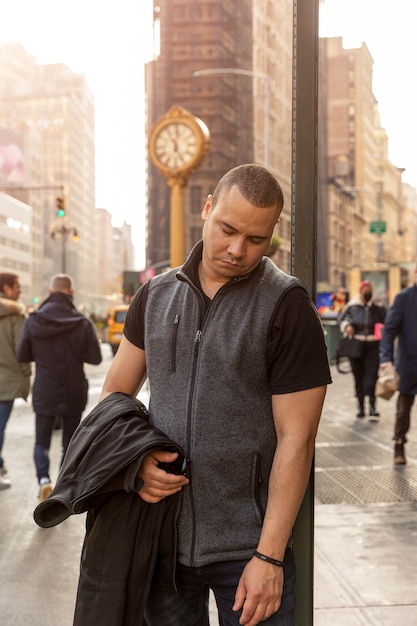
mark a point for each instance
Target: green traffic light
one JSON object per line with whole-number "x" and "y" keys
{"x": 60, "y": 206}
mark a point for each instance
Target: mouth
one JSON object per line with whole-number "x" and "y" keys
{"x": 230, "y": 264}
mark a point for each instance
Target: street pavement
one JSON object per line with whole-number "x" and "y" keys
{"x": 365, "y": 517}
{"x": 365, "y": 570}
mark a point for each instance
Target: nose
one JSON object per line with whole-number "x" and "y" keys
{"x": 236, "y": 247}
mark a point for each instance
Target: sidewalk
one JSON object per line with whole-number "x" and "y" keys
{"x": 365, "y": 523}
{"x": 365, "y": 517}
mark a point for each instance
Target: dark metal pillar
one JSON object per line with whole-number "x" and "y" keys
{"x": 303, "y": 245}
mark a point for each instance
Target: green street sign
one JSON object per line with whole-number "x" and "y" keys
{"x": 378, "y": 227}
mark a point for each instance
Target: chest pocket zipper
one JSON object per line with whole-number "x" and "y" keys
{"x": 174, "y": 343}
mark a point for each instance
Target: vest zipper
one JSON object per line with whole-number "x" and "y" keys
{"x": 197, "y": 342}
{"x": 174, "y": 342}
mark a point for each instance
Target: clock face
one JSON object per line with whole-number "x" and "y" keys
{"x": 176, "y": 145}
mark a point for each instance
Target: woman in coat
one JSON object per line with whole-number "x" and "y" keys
{"x": 14, "y": 376}
{"x": 358, "y": 320}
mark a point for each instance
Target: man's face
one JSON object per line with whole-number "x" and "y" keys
{"x": 13, "y": 292}
{"x": 236, "y": 235}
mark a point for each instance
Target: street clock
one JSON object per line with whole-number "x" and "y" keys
{"x": 177, "y": 143}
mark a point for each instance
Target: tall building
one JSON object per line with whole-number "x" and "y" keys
{"x": 50, "y": 110}
{"x": 363, "y": 221}
{"x": 15, "y": 241}
{"x": 115, "y": 256}
{"x": 351, "y": 108}
{"x": 231, "y": 68}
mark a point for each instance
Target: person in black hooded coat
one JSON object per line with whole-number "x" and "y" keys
{"x": 60, "y": 340}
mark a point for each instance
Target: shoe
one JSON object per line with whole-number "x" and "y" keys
{"x": 361, "y": 407}
{"x": 45, "y": 490}
{"x": 372, "y": 409}
{"x": 373, "y": 415}
{"x": 399, "y": 456}
{"x": 4, "y": 483}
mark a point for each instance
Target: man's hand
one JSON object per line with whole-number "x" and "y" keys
{"x": 385, "y": 365}
{"x": 158, "y": 484}
{"x": 259, "y": 592}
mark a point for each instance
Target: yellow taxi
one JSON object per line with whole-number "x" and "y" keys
{"x": 116, "y": 323}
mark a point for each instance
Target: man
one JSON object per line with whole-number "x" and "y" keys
{"x": 60, "y": 340}
{"x": 401, "y": 322}
{"x": 14, "y": 376}
{"x": 236, "y": 360}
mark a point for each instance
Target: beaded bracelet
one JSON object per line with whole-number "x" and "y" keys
{"x": 268, "y": 559}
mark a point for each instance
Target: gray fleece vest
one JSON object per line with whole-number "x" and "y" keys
{"x": 209, "y": 392}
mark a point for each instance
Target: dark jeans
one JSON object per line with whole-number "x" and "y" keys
{"x": 402, "y": 417}
{"x": 190, "y": 607}
{"x": 5, "y": 410}
{"x": 44, "y": 427}
{"x": 365, "y": 369}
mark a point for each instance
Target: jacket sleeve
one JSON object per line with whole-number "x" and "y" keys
{"x": 23, "y": 347}
{"x": 392, "y": 327}
{"x": 92, "y": 345}
{"x": 382, "y": 313}
{"x": 345, "y": 318}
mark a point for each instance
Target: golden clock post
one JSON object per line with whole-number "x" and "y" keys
{"x": 177, "y": 143}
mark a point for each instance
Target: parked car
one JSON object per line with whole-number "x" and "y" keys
{"x": 116, "y": 324}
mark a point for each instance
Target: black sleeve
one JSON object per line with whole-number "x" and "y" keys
{"x": 297, "y": 353}
{"x": 134, "y": 329}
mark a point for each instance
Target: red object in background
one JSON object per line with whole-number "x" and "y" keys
{"x": 378, "y": 331}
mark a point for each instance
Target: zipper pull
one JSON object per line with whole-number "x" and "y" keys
{"x": 177, "y": 319}
{"x": 197, "y": 341}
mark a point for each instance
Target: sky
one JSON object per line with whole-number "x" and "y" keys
{"x": 109, "y": 42}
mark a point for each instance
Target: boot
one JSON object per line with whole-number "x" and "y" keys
{"x": 399, "y": 456}
{"x": 361, "y": 407}
{"x": 372, "y": 410}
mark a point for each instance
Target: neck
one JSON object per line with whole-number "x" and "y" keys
{"x": 209, "y": 284}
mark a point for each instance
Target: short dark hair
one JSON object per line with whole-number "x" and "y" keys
{"x": 257, "y": 184}
{"x": 8, "y": 279}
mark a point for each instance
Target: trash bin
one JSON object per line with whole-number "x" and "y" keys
{"x": 333, "y": 335}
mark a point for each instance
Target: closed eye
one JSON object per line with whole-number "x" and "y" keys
{"x": 229, "y": 231}
{"x": 257, "y": 240}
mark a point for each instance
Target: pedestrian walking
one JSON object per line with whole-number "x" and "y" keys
{"x": 237, "y": 365}
{"x": 14, "y": 376}
{"x": 59, "y": 339}
{"x": 357, "y": 320}
{"x": 401, "y": 323}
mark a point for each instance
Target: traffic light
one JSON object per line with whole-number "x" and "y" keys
{"x": 60, "y": 206}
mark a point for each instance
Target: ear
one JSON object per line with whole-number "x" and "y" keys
{"x": 207, "y": 208}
